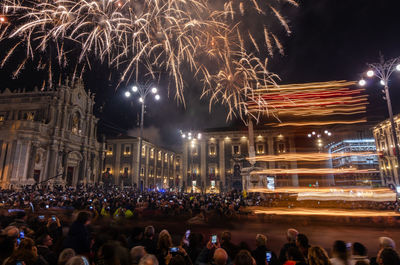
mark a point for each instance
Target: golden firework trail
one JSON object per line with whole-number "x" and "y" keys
{"x": 149, "y": 37}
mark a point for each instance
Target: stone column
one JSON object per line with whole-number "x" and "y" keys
{"x": 293, "y": 164}
{"x": 221, "y": 166}
{"x": 203, "y": 164}
{"x": 117, "y": 169}
{"x": 4, "y": 146}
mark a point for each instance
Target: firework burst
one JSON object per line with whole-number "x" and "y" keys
{"x": 155, "y": 35}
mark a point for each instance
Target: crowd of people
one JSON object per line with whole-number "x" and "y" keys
{"x": 122, "y": 202}
{"x": 36, "y": 240}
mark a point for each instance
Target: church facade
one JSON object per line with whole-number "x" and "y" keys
{"x": 49, "y": 137}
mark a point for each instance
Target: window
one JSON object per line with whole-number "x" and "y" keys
{"x": 126, "y": 171}
{"x": 281, "y": 148}
{"x": 143, "y": 151}
{"x": 166, "y": 158}
{"x": 151, "y": 172}
{"x": 177, "y": 161}
{"x": 28, "y": 115}
{"x": 194, "y": 150}
{"x": 260, "y": 149}
{"x": 211, "y": 170}
{"x": 142, "y": 171}
{"x": 152, "y": 153}
{"x": 236, "y": 149}
{"x": 109, "y": 151}
{"x": 127, "y": 150}
{"x": 159, "y": 155}
{"x": 211, "y": 150}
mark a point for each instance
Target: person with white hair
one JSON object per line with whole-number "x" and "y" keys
{"x": 386, "y": 242}
{"x": 291, "y": 235}
{"x": 259, "y": 253}
{"x": 148, "y": 259}
{"x": 137, "y": 253}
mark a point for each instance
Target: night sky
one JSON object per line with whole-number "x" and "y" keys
{"x": 331, "y": 40}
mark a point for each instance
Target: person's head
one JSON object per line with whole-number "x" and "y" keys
{"x": 226, "y": 236}
{"x": 65, "y": 255}
{"x": 83, "y": 217}
{"x": 302, "y": 241}
{"x": 318, "y": 256}
{"x": 220, "y": 256}
{"x": 293, "y": 253}
{"x": 77, "y": 260}
{"x": 386, "y": 242}
{"x": 261, "y": 240}
{"x": 113, "y": 253}
{"x": 340, "y": 250}
{"x": 177, "y": 260}
{"x": 164, "y": 240}
{"x": 359, "y": 249}
{"x": 291, "y": 235}
{"x": 137, "y": 253}
{"x": 29, "y": 245}
{"x": 44, "y": 240}
{"x": 388, "y": 256}
{"x": 148, "y": 260}
{"x": 149, "y": 231}
{"x": 11, "y": 231}
{"x": 244, "y": 258}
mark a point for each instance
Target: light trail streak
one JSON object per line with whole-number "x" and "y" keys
{"x": 309, "y": 156}
{"x": 323, "y": 212}
{"x": 313, "y": 171}
{"x": 313, "y": 99}
{"x": 332, "y": 194}
{"x": 316, "y": 123}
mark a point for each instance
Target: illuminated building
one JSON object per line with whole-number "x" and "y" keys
{"x": 353, "y": 158}
{"x": 160, "y": 168}
{"x": 388, "y": 163}
{"x": 44, "y": 134}
{"x": 215, "y": 162}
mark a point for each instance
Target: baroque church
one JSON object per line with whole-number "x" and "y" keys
{"x": 49, "y": 137}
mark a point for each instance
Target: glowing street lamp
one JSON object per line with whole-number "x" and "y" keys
{"x": 383, "y": 71}
{"x": 143, "y": 92}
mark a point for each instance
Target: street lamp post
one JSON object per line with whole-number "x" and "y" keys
{"x": 143, "y": 92}
{"x": 319, "y": 137}
{"x": 383, "y": 70}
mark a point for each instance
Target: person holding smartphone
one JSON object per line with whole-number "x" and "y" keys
{"x": 262, "y": 254}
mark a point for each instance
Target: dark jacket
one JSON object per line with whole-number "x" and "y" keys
{"x": 284, "y": 249}
{"x": 47, "y": 254}
{"x": 78, "y": 238}
{"x": 259, "y": 254}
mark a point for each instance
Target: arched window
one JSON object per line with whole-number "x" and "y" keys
{"x": 75, "y": 123}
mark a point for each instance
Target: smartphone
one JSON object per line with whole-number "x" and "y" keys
{"x": 41, "y": 217}
{"x": 22, "y": 234}
{"x": 91, "y": 207}
{"x": 348, "y": 245}
{"x": 268, "y": 256}
{"x": 19, "y": 263}
{"x": 174, "y": 249}
{"x": 187, "y": 234}
{"x": 105, "y": 200}
{"x": 47, "y": 206}
{"x": 18, "y": 241}
{"x": 54, "y": 218}
{"x": 214, "y": 239}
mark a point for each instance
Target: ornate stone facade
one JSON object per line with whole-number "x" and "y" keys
{"x": 218, "y": 161}
{"x": 388, "y": 163}
{"x": 44, "y": 134}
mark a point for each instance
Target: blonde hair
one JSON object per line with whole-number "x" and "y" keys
{"x": 318, "y": 256}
